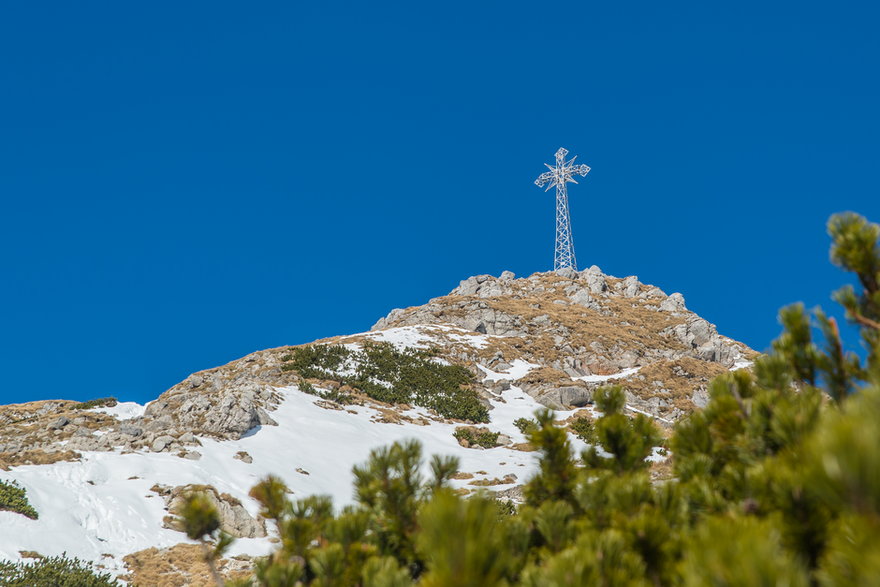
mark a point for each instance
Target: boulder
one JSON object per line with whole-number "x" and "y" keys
{"x": 160, "y": 443}
{"x": 595, "y": 280}
{"x": 630, "y": 286}
{"x": 471, "y": 285}
{"x": 674, "y": 303}
{"x": 234, "y": 518}
{"x": 130, "y": 429}
{"x": 219, "y": 409}
{"x": 581, "y": 297}
{"x": 565, "y": 397}
{"x": 59, "y": 423}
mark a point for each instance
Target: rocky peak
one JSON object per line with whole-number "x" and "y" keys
{"x": 587, "y": 328}
{"x": 598, "y": 324}
{"x": 573, "y": 330}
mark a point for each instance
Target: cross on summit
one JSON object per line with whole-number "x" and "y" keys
{"x": 557, "y": 177}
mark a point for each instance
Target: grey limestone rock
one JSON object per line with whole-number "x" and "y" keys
{"x": 160, "y": 443}
{"x": 471, "y": 285}
{"x": 130, "y": 429}
{"x": 59, "y": 423}
{"x": 244, "y": 457}
{"x": 234, "y": 518}
{"x": 630, "y": 286}
{"x": 217, "y": 408}
{"x": 498, "y": 386}
{"x": 595, "y": 280}
{"x": 581, "y": 297}
{"x": 674, "y": 303}
{"x": 565, "y": 397}
{"x": 187, "y": 438}
{"x": 491, "y": 290}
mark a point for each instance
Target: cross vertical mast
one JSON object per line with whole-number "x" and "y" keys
{"x": 558, "y": 177}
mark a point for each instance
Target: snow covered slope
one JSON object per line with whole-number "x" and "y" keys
{"x": 102, "y": 478}
{"x": 102, "y": 508}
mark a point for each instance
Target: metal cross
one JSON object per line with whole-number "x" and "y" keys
{"x": 557, "y": 177}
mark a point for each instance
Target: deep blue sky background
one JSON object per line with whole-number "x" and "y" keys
{"x": 183, "y": 183}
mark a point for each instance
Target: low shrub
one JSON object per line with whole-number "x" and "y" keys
{"x": 387, "y": 374}
{"x": 477, "y": 436}
{"x": 13, "y": 498}
{"x": 101, "y": 402}
{"x": 333, "y": 395}
{"x": 55, "y": 571}
{"x": 582, "y": 428}
{"x": 525, "y": 425}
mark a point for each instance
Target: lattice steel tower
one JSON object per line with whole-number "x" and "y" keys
{"x": 558, "y": 176}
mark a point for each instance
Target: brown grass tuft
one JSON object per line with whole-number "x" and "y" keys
{"x": 36, "y": 457}
{"x": 181, "y": 565}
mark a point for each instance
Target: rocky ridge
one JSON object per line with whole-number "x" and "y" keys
{"x": 575, "y": 330}
{"x": 582, "y": 330}
{"x": 549, "y": 339}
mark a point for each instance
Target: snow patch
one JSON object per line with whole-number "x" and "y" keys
{"x": 123, "y": 410}
{"x": 742, "y": 364}
{"x": 518, "y": 370}
{"x": 600, "y": 378}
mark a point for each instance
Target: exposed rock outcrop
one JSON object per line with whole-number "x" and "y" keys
{"x": 572, "y": 327}
{"x": 234, "y": 518}
{"x": 577, "y": 324}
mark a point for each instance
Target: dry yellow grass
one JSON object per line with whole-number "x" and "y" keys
{"x": 36, "y": 457}
{"x": 547, "y": 375}
{"x": 678, "y": 379}
{"x": 508, "y": 479}
{"x": 661, "y": 470}
{"x": 576, "y": 416}
{"x": 181, "y": 565}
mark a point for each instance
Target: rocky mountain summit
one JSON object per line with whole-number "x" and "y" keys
{"x": 460, "y": 373}
{"x": 575, "y": 331}
{"x": 584, "y": 329}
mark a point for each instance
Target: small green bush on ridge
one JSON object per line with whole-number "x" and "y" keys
{"x": 103, "y": 402}
{"x": 13, "y": 498}
{"x": 56, "y": 571}
{"x": 477, "y": 436}
{"x": 387, "y": 374}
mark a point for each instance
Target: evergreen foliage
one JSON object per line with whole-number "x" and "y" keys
{"x": 13, "y": 498}
{"x": 103, "y": 402}
{"x": 482, "y": 437}
{"x": 777, "y": 481}
{"x": 525, "y": 425}
{"x": 384, "y": 373}
{"x": 582, "y": 428}
{"x": 56, "y": 571}
{"x": 627, "y": 441}
{"x": 201, "y": 521}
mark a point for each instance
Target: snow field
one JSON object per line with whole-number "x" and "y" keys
{"x": 101, "y": 508}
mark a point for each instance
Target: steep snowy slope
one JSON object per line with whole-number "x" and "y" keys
{"x": 101, "y": 507}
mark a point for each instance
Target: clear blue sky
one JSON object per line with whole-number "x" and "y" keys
{"x": 183, "y": 183}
